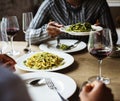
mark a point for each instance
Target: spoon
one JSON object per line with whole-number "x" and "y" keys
{"x": 37, "y": 82}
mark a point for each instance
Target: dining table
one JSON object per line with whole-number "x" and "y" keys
{"x": 83, "y": 67}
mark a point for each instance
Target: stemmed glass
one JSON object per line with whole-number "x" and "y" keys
{"x": 12, "y": 27}
{"x": 26, "y": 19}
{"x": 100, "y": 46}
{"x": 3, "y": 38}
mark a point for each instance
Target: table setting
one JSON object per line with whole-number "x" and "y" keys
{"x": 67, "y": 77}
{"x": 83, "y": 67}
{"x": 65, "y": 85}
{"x": 60, "y": 82}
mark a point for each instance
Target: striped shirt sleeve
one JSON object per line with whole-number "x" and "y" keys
{"x": 63, "y": 13}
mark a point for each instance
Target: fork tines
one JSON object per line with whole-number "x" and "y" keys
{"x": 50, "y": 83}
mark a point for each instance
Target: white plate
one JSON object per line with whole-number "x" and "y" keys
{"x": 64, "y": 84}
{"x": 51, "y": 45}
{"x": 63, "y": 29}
{"x": 68, "y": 59}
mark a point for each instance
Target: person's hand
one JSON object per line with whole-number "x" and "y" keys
{"x": 96, "y": 91}
{"x": 53, "y": 28}
{"x": 7, "y": 62}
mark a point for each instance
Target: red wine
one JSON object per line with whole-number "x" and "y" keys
{"x": 100, "y": 53}
{"x": 12, "y": 31}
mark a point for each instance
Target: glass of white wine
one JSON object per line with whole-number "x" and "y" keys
{"x": 26, "y": 20}
{"x": 3, "y": 38}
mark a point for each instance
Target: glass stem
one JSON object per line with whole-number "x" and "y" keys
{"x": 11, "y": 42}
{"x": 29, "y": 43}
{"x": 100, "y": 70}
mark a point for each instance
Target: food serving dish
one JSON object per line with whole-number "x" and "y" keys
{"x": 51, "y": 45}
{"x": 64, "y": 84}
{"x": 95, "y": 28}
{"x": 68, "y": 60}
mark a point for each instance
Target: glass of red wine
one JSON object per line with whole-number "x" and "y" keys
{"x": 100, "y": 46}
{"x": 12, "y": 27}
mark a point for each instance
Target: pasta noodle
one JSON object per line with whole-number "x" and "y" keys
{"x": 80, "y": 27}
{"x": 44, "y": 60}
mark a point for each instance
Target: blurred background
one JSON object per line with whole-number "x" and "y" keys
{"x": 17, "y": 7}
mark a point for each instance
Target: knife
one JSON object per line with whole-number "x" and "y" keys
{"x": 74, "y": 45}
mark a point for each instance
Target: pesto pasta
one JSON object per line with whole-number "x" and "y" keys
{"x": 80, "y": 27}
{"x": 44, "y": 60}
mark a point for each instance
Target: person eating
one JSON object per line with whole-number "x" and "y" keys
{"x": 54, "y": 14}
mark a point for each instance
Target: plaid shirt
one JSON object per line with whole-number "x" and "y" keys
{"x": 63, "y": 13}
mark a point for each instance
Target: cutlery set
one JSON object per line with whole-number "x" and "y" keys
{"x": 74, "y": 45}
{"x": 45, "y": 81}
{"x": 68, "y": 46}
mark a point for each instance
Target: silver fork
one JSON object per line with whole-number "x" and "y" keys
{"x": 51, "y": 85}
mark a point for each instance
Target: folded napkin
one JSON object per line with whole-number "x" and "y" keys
{"x": 7, "y": 62}
{"x": 116, "y": 52}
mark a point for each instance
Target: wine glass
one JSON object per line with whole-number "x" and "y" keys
{"x": 3, "y": 38}
{"x": 12, "y": 27}
{"x": 26, "y": 19}
{"x": 100, "y": 46}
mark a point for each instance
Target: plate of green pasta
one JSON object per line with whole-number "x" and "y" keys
{"x": 80, "y": 29}
{"x": 44, "y": 61}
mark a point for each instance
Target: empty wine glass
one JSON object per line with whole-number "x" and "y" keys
{"x": 3, "y": 38}
{"x": 26, "y": 19}
{"x": 12, "y": 27}
{"x": 100, "y": 46}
